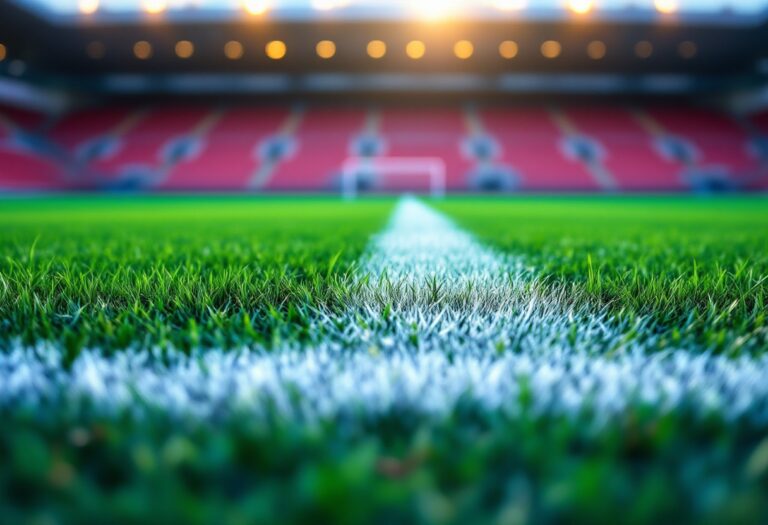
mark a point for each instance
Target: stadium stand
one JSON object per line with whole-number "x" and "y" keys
{"x": 718, "y": 142}
{"x": 229, "y": 156}
{"x": 188, "y": 96}
{"x": 627, "y": 150}
{"x": 271, "y": 148}
{"x": 427, "y": 133}
{"x": 18, "y": 119}
{"x": 142, "y": 149}
{"x": 24, "y": 170}
{"x": 314, "y": 154}
{"x": 76, "y": 130}
{"x": 532, "y": 145}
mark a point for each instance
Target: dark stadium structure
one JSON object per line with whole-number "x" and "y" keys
{"x": 624, "y": 99}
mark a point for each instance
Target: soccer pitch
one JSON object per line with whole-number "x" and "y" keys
{"x": 502, "y": 360}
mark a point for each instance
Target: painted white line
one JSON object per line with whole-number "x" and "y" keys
{"x": 443, "y": 322}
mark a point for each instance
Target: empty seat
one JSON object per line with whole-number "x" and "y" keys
{"x": 23, "y": 170}
{"x": 24, "y": 119}
{"x": 228, "y": 156}
{"x": 760, "y": 121}
{"x": 143, "y": 145}
{"x": 322, "y": 144}
{"x": 718, "y": 139}
{"x": 427, "y": 133}
{"x": 628, "y": 151}
{"x": 530, "y": 144}
{"x": 77, "y": 129}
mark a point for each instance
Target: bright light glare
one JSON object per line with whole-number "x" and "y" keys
{"x": 88, "y": 7}
{"x": 434, "y": 10}
{"x": 415, "y": 49}
{"x": 326, "y": 49}
{"x": 255, "y": 7}
{"x": 509, "y": 5}
{"x": 551, "y": 49}
{"x": 464, "y": 49}
{"x": 154, "y": 7}
{"x": 508, "y": 49}
{"x": 276, "y": 50}
{"x": 376, "y": 49}
{"x": 233, "y": 50}
{"x": 666, "y": 6}
{"x": 184, "y": 49}
{"x": 327, "y": 5}
{"x": 581, "y": 7}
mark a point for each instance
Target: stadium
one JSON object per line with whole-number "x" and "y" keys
{"x": 355, "y": 261}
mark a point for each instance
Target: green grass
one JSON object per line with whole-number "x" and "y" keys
{"x": 114, "y": 273}
{"x": 117, "y": 272}
{"x": 697, "y": 267}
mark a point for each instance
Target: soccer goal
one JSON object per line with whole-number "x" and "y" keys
{"x": 406, "y": 172}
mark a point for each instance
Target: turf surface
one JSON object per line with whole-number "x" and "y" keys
{"x": 199, "y": 273}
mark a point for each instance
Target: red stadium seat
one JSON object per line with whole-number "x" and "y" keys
{"x": 628, "y": 150}
{"x": 22, "y": 118}
{"x": 22, "y": 170}
{"x": 760, "y": 121}
{"x": 322, "y": 145}
{"x": 228, "y": 157}
{"x": 428, "y": 133}
{"x": 142, "y": 146}
{"x": 80, "y": 127}
{"x": 530, "y": 144}
{"x": 718, "y": 139}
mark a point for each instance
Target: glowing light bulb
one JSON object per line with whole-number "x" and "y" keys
{"x": 154, "y": 7}
{"x": 581, "y": 7}
{"x": 509, "y": 5}
{"x": 666, "y": 6}
{"x": 434, "y": 10}
{"x": 88, "y": 7}
{"x": 255, "y": 7}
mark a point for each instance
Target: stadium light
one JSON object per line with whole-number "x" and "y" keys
{"x": 435, "y": 10}
{"x": 154, "y": 7}
{"x": 463, "y": 49}
{"x": 643, "y": 49}
{"x": 255, "y": 7}
{"x": 326, "y": 49}
{"x": 508, "y": 49}
{"x": 551, "y": 49}
{"x": 142, "y": 50}
{"x": 276, "y": 49}
{"x": 415, "y": 49}
{"x": 376, "y": 49}
{"x": 327, "y": 5}
{"x": 233, "y": 50}
{"x": 666, "y": 6}
{"x": 184, "y": 49}
{"x": 88, "y": 7}
{"x": 581, "y": 7}
{"x": 596, "y": 50}
{"x": 509, "y": 5}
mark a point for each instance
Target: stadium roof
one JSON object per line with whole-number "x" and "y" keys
{"x": 715, "y": 11}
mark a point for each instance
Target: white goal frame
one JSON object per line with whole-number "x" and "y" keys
{"x": 433, "y": 167}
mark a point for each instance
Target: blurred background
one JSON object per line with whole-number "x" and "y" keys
{"x": 371, "y": 96}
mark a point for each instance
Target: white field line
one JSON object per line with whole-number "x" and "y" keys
{"x": 443, "y": 322}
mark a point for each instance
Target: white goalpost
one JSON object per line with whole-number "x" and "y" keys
{"x": 433, "y": 168}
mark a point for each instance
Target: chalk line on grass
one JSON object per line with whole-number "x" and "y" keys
{"x": 440, "y": 322}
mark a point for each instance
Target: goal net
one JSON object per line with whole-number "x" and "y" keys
{"x": 396, "y": 174}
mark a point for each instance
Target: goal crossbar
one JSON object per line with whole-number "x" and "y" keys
{"x": 433, "y": 167}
